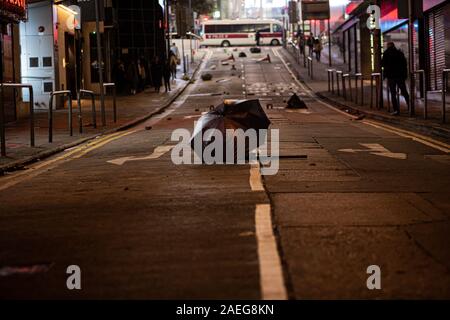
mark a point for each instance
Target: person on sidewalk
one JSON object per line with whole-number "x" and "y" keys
{"x": 176, "y": 52}
{"x": 167, "y": 73}
{"x": 318, "y": 47}
{"x": 157, "y": 69}
{"x": 396, "y": 72}
{"x": 301, "y": 43}
{"x": 173, "y": 65}
{"x": 132, "y": 77}
{"x": 258, "y": 38}
{"x": 310, "y": 44}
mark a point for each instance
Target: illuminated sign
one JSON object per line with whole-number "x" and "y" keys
{"x": 315, "y": 10}
{"x": 14, "y": 9}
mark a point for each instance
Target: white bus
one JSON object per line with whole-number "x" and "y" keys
{"x": 227, "y": 33}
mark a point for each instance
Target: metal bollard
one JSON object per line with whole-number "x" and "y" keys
{"x": 338, "y": 73}
{"x": 423, "y": 93}
{"x": 113, "y": 86}
{"x": 94, "y": 114}
{"x": 2, "y": 114}
{"x": 329, "y": 79}
{"x": 445, "y": 73}
{"x": 50, "y": 112}
{"x": 376, "y": 76}
{"x": 349, "y": 77}
{"x": 344, "y": 86}
{"x": 358, "y": 76}
{"x": 310, "y": 68}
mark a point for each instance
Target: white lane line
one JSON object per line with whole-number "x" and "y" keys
{"x": 158, "y": 152}
{"x": 255, "y": 178}
{"x": 271, "y": 274}
{"x": 438, "y": 145}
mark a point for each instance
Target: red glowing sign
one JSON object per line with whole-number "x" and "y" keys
{"x": 15, "y": 8}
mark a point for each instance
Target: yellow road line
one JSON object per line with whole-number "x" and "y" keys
{"x": 102, "y": 143}
{"x": 438, "y": 145}
{"x": 37, "y": 169}
{"x": 414, "y": 136}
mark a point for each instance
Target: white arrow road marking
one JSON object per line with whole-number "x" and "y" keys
{"x": 158, "y": 152}
{"x": 377, "y": 150}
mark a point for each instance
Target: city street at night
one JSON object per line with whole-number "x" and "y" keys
{"x": 139, "y": 226}
{"x": 224, "y": 159}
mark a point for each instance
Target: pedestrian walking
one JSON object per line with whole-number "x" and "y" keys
{"x": 396, "y": 72}
{"x": 301, "y": 43}
{"x": 157, "y": 69}
{"x": 142, "y": 75}
{"x": 258, "y": 38}
{"x": 167, "y": 73}
{"x": 119, "y": 75}
{"x": 310, "y": 44}
{"x": 132, "y": 77}
{"x": 176, "y": 52}
{"x": 173, "y": 65}
{"x": 318, "y": 47}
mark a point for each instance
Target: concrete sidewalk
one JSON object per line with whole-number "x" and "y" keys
{"x": 319, "y": 84}
{"x": 131, "y": 110}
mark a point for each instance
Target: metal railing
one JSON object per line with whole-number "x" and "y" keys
{"x": 344, "y": 86}
{"x": 338, "y": 74}
{"x": 113, "y": 86}
{"x": 331, "y": 80}
{"x": 445, "y": 74}
{"x": 423, "y": 91}
{"x": 374, "y": 76}
{"x": 310, "y": 68}
{"x": 359, "y": 78}
{"x": 50, "y": 112}
{"x": 2, "y": 114}
{"x": 80, "y": 95}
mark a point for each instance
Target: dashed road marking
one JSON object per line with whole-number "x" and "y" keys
{"x": 270, "y": 270}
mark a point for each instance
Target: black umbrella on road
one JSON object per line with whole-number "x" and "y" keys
{"x": 296, "y": 103}
{"x": 231, "y": 114}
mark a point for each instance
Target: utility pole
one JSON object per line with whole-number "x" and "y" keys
{"x": 329, "y": 43}
{"x": 166, "y": 22}
{"x": 411, "y": 58}
{"x": 191, "y": 18}
{"x": 100, "y": 63}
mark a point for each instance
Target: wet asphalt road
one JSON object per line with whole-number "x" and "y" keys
{"x": 150, "y": 229}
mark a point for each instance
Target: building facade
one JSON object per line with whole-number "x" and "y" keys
{"x": 362, "y": 48}
{"x": 52, "y": 45}
{"x": 11, "y": 13}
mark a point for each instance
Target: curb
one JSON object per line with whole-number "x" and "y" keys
{"x": 431, "y": 130}
{"x": 21, "y": 163}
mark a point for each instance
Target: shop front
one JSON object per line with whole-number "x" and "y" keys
{"x": 431, "y": 37}
{"x": 48, "y": 55}
{"x": 11, "y": 12}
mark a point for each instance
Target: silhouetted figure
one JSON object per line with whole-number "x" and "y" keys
{"x": 132, "y": 77}
{"x": 157, "y": 69}
{"x": 173, "y": 62}
{"x": 310, "y": 44}
{"x": 167, "y": 72}
{"x": 258, "y": 38}
{"x": 396, "y": 72}
{"x": 318, "y": 49}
